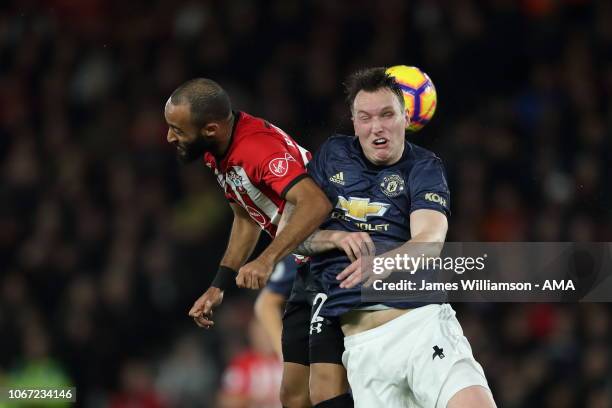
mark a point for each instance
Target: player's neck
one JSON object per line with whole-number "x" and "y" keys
{"x": 226, "y": 140}
{"x": 388, "y": 162}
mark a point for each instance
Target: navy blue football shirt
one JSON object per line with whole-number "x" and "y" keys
{"x": 374, "y": 199}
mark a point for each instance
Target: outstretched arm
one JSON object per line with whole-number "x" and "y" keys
{"x": 242, "y": 241}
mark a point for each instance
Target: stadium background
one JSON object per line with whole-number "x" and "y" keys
{"x": 105, "y": 241}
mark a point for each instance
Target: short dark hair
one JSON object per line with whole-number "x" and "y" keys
{"x": 207, "y": 101}
{"x": 371, "y": 80}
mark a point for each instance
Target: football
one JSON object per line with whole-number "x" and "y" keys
{"x": 420, "y": 95}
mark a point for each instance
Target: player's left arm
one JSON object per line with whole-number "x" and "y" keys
{"x": 311, "y": 209}
{"x": 429, "y": 226}
{"x": 428, "y": 230}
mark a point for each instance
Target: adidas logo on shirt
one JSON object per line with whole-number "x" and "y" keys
{"x": 337, "y": 178}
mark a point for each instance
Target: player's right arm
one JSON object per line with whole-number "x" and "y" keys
{"x": 243, "y": 238}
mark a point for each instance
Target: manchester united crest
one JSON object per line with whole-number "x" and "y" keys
{"x": 392, "y": 185}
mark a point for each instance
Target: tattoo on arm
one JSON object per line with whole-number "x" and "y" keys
{"x": 307, "y": 247}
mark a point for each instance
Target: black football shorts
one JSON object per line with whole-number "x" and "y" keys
{"x": 308, "y": 337}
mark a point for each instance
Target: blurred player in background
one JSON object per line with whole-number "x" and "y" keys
{"x": 271, "y": 300}
{"x": 401, "y": 353}
{"x": 252, "y": 378}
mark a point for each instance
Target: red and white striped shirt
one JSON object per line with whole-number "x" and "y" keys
{"x": 260, "y": 166}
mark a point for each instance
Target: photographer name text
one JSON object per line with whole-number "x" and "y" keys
{"x": 474, "y": 285}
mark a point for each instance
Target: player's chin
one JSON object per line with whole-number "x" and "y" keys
{"x": 380, "y": 156}
{"x": 184, "y": 156}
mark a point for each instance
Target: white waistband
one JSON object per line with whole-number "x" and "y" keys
{"x": 409, "y": 318}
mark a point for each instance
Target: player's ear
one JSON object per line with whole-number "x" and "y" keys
{"x": 210, "y": 129}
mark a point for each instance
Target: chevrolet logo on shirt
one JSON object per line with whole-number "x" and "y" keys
{"x": 361, "y": 208}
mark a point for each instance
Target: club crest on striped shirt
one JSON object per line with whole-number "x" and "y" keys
{"x": 236, "y": 180}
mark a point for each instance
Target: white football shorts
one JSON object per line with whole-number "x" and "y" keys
{"x": 419, "y": 359}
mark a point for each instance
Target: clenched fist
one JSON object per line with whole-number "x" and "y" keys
{"x": 255, "y": 274}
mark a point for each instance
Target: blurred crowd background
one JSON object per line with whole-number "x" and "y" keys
{"x": 105, "y": 241}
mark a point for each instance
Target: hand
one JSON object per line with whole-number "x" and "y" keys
{"x": 255, "y": 274}
{"x": 359, "y": 271}
{"x": 202, "y": 309}
{"x": 354, "y": 244}
{"x": 351, "y": 276}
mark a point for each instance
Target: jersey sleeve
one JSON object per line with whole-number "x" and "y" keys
{"x": 316, "y": 167}
{"x": 281, "y": 170}
{"x": 428, "y": 186}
